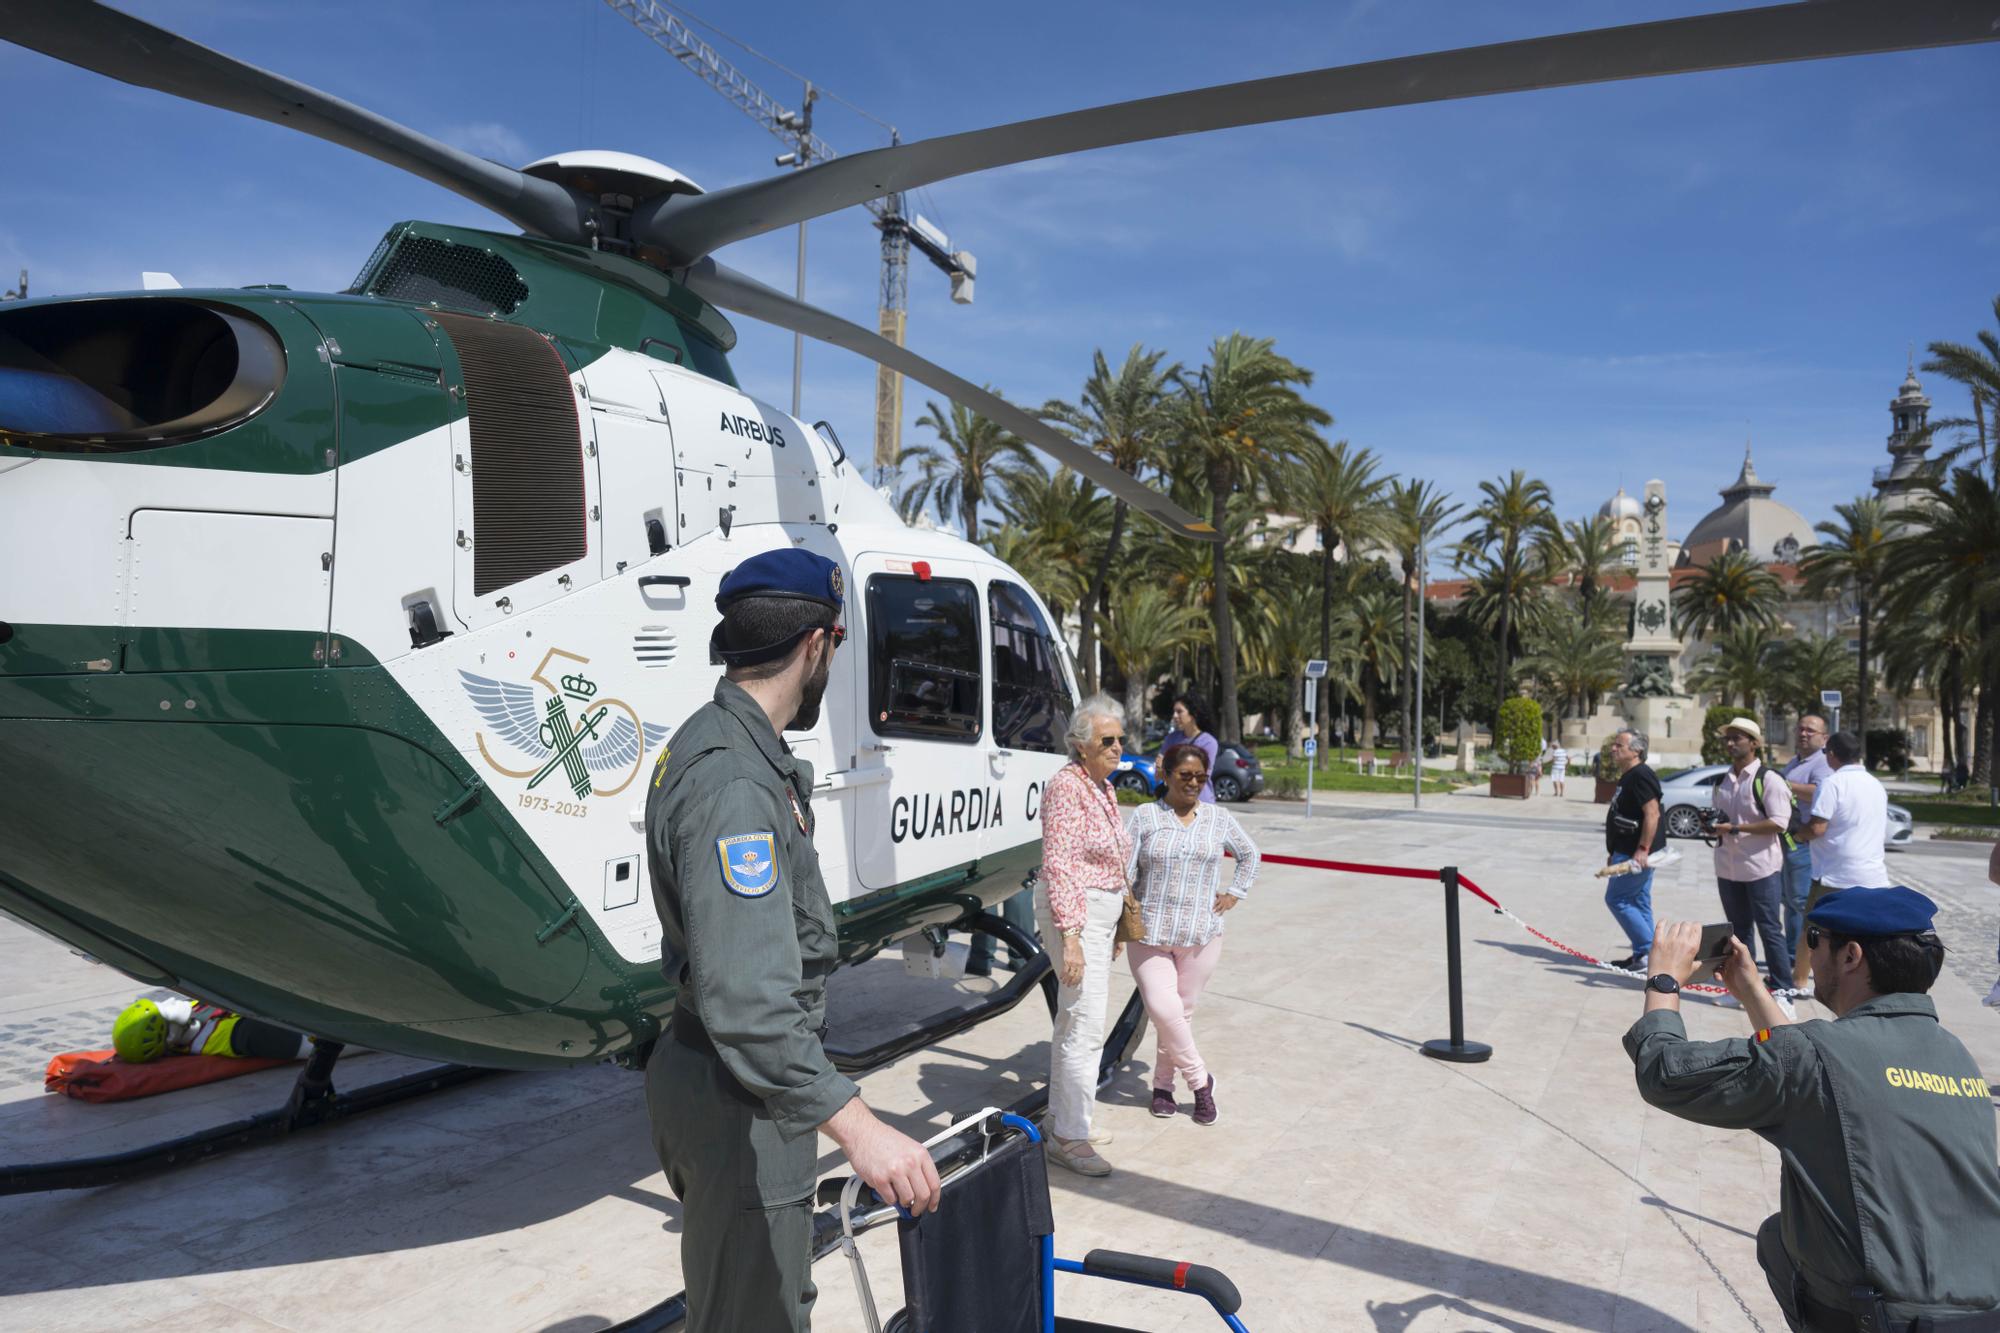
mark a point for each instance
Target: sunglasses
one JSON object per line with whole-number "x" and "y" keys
{"x": 1200, "y": 775}
{"x": 1813, "y": 936}
{"x": 1109, "y": 742}
{"x": 838, "y": 633}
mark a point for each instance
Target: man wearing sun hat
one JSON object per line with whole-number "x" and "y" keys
{"x": 1750, "y": 847}
{"x": 740, "y": 1082}
{"x": 1889, "y": 1201}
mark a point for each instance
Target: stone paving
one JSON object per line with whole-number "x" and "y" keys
{"x": 1351, "y": 1182}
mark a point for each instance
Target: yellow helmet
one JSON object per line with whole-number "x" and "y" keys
{"x": 139, "y": 1033}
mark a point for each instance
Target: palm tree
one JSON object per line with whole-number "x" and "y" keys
{"x": 1123, "y": 416}
{"x": 965, "y": 468}
{"x": 1334, "y": 490}
{"x": 1743, "y": 665}
{"x": 1949, "y": 548}
{"x": 1063, "y": 517}
{"x": 1145, "y": 626}
{"x": 1368, "y": 630}
{"x": 1978, "y": 369}
{"x": 1731, "y": 590}
{"x": 1936, "y": 649}
{"x": 1499, "y": 553}
{"x": 1852, "y": 557}
{"x": 1241, "y": 419}
{"x": 1590, "y": 549}
{"x": 1577, "y": 656}
{"x": 1808, "y": 665}
{"x": 1417, "y": 513}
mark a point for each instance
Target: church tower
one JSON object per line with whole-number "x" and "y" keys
{"x": 1909, "y": 412}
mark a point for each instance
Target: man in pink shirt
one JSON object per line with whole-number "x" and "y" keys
{"x": 1756, "y": 807}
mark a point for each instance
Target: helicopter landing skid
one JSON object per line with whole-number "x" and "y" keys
{"x": 1037, "y": 971}
{"x": 313, "y": 1101}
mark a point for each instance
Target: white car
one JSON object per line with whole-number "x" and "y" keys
{"x": 1683, "y": 795}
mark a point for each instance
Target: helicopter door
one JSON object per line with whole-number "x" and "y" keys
{"x": 922, "y": 792}
{"x": 635, "y": 462}
{"x": 738, "y": 457}
{"x": 524, "y": 503}
{"x": 1032, "y": 701}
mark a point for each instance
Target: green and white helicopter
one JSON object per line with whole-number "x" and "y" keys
{"x": 338, "y": 632}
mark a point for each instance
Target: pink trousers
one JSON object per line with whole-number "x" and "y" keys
{"x": 1171, "y": 978}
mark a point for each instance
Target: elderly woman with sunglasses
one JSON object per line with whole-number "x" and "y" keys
{"x": 1177, "y": 846}
{"x": 1078, "y": 899}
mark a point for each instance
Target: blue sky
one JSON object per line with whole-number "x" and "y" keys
{"x": 1600, "y": 284}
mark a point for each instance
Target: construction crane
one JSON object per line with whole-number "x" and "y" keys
{"x": 901, "y": 230}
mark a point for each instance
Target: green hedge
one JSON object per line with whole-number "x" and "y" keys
{"x": 1520, "y": 736}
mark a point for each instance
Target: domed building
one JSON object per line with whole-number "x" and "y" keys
{"x": 1625, "y": 513}
{"x": 1748, "y": 520}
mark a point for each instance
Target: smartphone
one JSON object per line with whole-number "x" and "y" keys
{"x": 1714, "y": 947}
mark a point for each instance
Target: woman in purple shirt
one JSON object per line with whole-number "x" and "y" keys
{"x": 1192, "y": 723}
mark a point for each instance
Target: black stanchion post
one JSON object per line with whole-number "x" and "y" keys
{"x": 1457, "y": 1049}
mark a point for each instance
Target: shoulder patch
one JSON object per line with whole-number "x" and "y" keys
{"x": 749, "y": 863}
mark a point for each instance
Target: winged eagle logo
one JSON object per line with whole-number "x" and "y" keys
{"x": 594, "y": 746}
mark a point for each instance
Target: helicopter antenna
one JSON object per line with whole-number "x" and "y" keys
{"x": 668, "y": 26}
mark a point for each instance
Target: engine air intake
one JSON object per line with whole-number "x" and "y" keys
{"x": 428, "y": 270}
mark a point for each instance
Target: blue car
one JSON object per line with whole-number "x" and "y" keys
{"x": 1135, "y": 773}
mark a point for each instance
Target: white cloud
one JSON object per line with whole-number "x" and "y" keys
{"x": 490, "y": 139}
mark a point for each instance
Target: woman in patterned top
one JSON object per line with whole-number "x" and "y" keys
{"x": 1177, "y": 847}
{"x": 1079, "y": 897}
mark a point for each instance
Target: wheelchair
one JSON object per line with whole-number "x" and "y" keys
{"x": 987, "y": 1262}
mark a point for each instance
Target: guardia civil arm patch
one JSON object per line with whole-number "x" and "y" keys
{"x": 749, "y": 863}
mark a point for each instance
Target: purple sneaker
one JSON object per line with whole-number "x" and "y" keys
{"x": 1204, "y": 1103}
{"x": 1163, "y": 1103}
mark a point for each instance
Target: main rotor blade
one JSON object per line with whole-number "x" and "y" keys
{"x": 742, "y": 293}
{"x": 105, "y": 41}
{"x": 687, "y": 227}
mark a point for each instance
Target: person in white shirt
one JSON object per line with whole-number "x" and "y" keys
{"x": 1847, "y": 829}
{"x": 1558, "y": 769}
{"x": 1803, "y": 776}
{"x": 1750, "y": 850}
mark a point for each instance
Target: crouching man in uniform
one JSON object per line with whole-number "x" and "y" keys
{"x": 739, "y": 1083}
{"x": 1889, "y": 1207}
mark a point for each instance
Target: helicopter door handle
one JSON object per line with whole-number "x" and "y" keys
{"x": 669, "y": 580}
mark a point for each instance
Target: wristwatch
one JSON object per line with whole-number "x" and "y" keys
{"x": 1663, "y": 983}
{"x": 1073, "y": 933}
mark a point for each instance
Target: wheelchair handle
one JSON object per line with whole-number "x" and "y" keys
{"x": 1176, "y": 1275}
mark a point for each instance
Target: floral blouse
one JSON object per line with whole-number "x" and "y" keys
{"x": 1084, "y": 843}
{"x": 1177, "y": 871}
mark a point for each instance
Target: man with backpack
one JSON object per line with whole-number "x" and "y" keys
{"x": 1751, "y": 841}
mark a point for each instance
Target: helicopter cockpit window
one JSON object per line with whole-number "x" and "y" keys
{"x": 125, "y": 374}
{"x": 923, "y": 657}
{"x": 1031, "y": 700}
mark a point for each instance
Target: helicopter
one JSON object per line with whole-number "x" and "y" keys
{"x": 394, "y": 595}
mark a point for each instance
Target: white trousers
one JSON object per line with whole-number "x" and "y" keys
{"x": 1078, "y": 1043}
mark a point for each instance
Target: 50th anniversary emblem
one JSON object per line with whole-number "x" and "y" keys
{"x": 573, "y": 742}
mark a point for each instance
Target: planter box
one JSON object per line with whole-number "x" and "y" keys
{"x": 1509, "y": 786}
{"x": 1605, "y": 791}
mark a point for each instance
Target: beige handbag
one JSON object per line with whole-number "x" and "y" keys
{"x": 1131, "y": 922}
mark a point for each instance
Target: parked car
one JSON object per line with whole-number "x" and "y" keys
{"x": 1684, "y": 794}
{"x": 1135, "y": 773}
{"x": 1238, "y": 776}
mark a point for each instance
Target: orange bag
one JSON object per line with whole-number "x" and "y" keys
{"x": 100, "y": 1076}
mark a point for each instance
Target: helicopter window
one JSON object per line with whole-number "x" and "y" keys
{"x": 923, "y": 657}
{"x": 706, "y": 358}
{"x": 1031, "y": 700}
{"x": 134, "y": 373}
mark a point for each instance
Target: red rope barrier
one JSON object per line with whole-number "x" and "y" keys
{"x": 1412, "y": 872}
{"x": 1393, "y": 872}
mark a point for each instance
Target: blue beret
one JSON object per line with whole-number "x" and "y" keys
{"x": 788, "y": 573}
{"x": 1865, "y": 912}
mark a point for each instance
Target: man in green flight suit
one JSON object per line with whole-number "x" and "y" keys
{"x": 739, "y": 1083}
{"x": 1889, "y": 1204}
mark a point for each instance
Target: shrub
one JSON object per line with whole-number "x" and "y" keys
{"x": 1287, "y": 786}
{"x": 1520, "y": 736}
{"x": 1712, "y": 724}
{"x": 1607, "y": 769}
